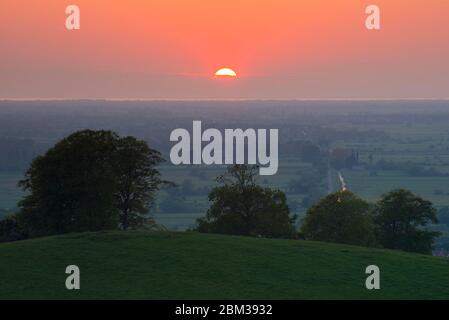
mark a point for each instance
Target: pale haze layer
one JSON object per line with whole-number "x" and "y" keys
{"x": 170, "y": 49}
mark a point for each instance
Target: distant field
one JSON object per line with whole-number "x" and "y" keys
{"x": 137, "y": 265}
{"x": 435, "y": 189}
{"x": 288, "y": 169}
{"x": 9, "y": 192}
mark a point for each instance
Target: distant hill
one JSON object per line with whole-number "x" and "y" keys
{"x": 142, "y": 265}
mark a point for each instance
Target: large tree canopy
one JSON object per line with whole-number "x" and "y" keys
{"x": 340, "y": 217}
{"x": 138, "y": 180}
{"x": 400, "y": 218}
{"x": 239, "y": 206}
{"x": 91, "y": 180}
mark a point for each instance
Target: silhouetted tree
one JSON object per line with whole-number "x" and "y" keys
{"x": 138, "y": 181}
{"x": 339, "y": 217}
{"x": 400, "y": 217}
{"x": 240, "y": 206}
{"x": 91, "y": 180}
{"x": 12, "y": 228}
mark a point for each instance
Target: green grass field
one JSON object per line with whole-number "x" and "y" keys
{"x": 138, "y": 265}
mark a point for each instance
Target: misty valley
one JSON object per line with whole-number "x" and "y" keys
{"x": 369, "y": 147}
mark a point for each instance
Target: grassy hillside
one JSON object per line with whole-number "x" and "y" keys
{"x": 195, "y": 266}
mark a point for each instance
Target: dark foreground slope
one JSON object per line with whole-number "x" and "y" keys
{"x": 197, "y": 266}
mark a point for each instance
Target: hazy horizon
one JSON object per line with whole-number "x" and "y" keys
{"x": 162, "y": 50}
{"x": 221, "y": 99}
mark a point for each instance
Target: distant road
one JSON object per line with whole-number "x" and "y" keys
{"x": 344, "y": 186}
{"x": 330, "y": 183}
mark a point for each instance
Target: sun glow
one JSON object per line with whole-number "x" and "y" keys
{"x": 225, "y": 72}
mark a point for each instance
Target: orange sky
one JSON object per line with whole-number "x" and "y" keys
{"x": 171, "y": 48}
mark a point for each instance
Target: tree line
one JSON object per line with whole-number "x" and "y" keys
{"x": 397, "y": 221}
{"x": 97, "y": 180}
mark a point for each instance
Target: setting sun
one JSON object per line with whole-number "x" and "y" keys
{"x": 225, "y": 72}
